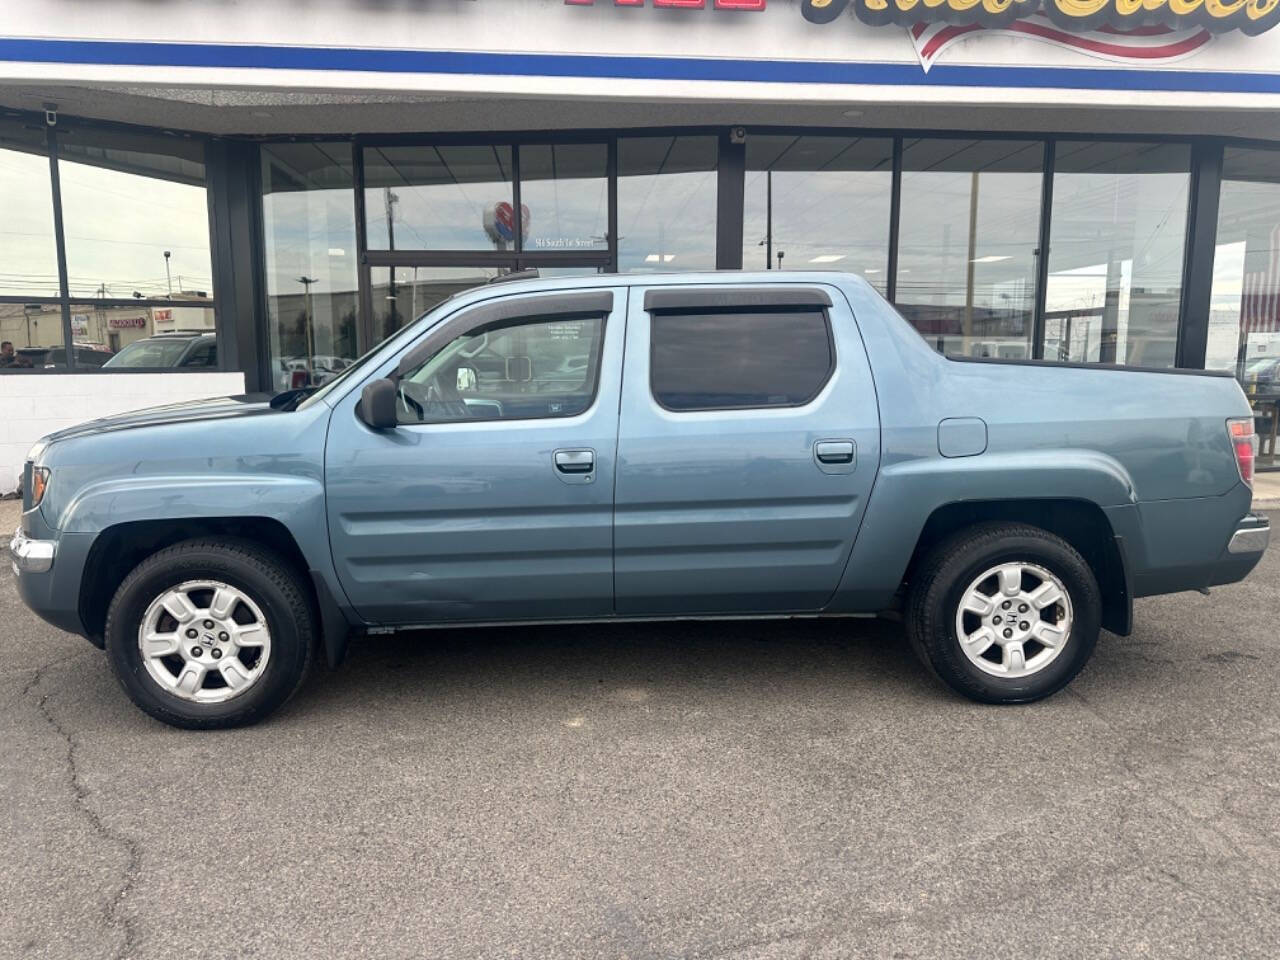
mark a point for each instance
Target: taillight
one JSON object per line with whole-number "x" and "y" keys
{"x": 1244, "y": 441}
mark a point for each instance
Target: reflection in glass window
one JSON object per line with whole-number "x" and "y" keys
{"x": 1116, "y": 252}
{"x": 143, "y": 337}
{"x": 439, "y": 198}
{"x": 308, "y": 213}
{"x": 1244, "y": 320}
{"x": 402, "y": 294}
{"x": 584, "y": 271}
{"x": 818, "y": 203}
{"x": 967, "y": 243}
{"x": 31, "y": 337}
{"x": 524, "y": 371}
{"x": 136, "y": 216}
{"x": 666, "y": 204}
{"x": 28, "y": 258}
{"x": 565, "y": 189}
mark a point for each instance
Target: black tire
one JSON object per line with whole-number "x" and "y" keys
{"x": 937, "y": 590}
{"x": 267, "y": 579}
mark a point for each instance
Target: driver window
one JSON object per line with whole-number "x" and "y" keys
{"x": 520, "y": 370}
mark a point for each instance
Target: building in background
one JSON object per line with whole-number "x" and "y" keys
{"x": 248, "y": 197}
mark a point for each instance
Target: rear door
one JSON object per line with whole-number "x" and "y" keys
{"x": 749, "y": 440}
{"x": 493, "y": 497}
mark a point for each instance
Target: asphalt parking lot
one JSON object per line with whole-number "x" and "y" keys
{"x": 746, "y": 790}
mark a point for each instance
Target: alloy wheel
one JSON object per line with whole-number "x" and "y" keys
{"x": 205, "y": 641}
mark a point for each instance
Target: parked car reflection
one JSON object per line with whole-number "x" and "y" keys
{"x": 167, "y": 350}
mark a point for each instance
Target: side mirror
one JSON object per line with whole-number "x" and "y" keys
{"x": 377, "y": 407}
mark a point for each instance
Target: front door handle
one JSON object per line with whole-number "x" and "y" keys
{"x": 575, "y": 461}
{"x": 834, "y": 451}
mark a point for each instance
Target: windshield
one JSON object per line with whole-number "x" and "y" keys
{"x": 149, "y": 353}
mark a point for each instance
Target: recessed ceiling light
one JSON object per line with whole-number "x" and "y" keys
{"x": 652, "y": 258}
{"x": 828, "y": 258}
{"x": 989, "y": 259}
{"x": 871, "y": 270}
{"x": 668, "y": 257}
{"x": 337, "y": 252}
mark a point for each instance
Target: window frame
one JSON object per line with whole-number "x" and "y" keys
{"x": 782, "y": 309}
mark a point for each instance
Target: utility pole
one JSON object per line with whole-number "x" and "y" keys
{"x": 309, "y": 323}
{"x": 768, "y": 221}
{"x": 390, "y": 200}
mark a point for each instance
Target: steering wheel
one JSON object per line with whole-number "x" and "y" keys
{"x": 444, "y": 389}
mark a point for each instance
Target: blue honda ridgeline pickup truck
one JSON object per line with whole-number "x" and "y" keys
{"x": 610, "y": 448}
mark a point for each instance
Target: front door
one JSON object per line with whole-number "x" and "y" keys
{"x": 493, "y": 498}
{"x": 749, "y": 439}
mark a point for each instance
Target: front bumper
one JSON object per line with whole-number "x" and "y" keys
{"x": 31, "y": 556}
{"x": 49, "y": 575}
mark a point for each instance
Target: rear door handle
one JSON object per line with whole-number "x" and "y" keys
{"x": 575, "y": 461}
{"x": 834, "y": 451}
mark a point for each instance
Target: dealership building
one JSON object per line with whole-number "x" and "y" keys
{"x": 200, "y": 197}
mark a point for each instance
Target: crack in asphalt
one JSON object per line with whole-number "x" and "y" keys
{"x": 111, "y": 910}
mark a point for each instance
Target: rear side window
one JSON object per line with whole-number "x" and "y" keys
{"x": 739, "y": 358}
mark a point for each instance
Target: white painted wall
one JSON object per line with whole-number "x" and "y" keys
{"x": 32, "y": 405}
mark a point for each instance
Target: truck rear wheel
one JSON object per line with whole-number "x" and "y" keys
{"x": 210, "y": 633}
{"x": 1004, "y": 613}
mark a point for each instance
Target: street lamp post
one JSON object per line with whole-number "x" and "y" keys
{"x": 310, "y": 325}
{"x": 167, "y": 278}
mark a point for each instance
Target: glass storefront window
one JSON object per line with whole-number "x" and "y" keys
{"x": 818, "y": 203}
{"x": 28, "y": 254}
{"x": 1244, "y": 322}
{"x": 135, "y": 215}
{"x": 439, "y": 198}
{"x": 1244, "y": 315}
{"x": 565, "y": 189}
{"x": 143, "y": 337}
{"x": 402, "y": 294}
{"x": 583, "y": 271}
{"x": 31, "y": 337}
{"x": 968, "y": 234}
{"x": 667, "y": 204}
{"x": 1116, "y": 252}
{"x": 308, "y": 213}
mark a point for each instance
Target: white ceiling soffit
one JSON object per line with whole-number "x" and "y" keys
{"x": 275, "y": 112}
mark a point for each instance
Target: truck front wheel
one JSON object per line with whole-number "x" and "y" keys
{"x": 1004, "y": 613}
{"x": 210, "y": 633}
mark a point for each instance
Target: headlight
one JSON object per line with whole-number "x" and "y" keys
{"x": 39, "y": 484}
